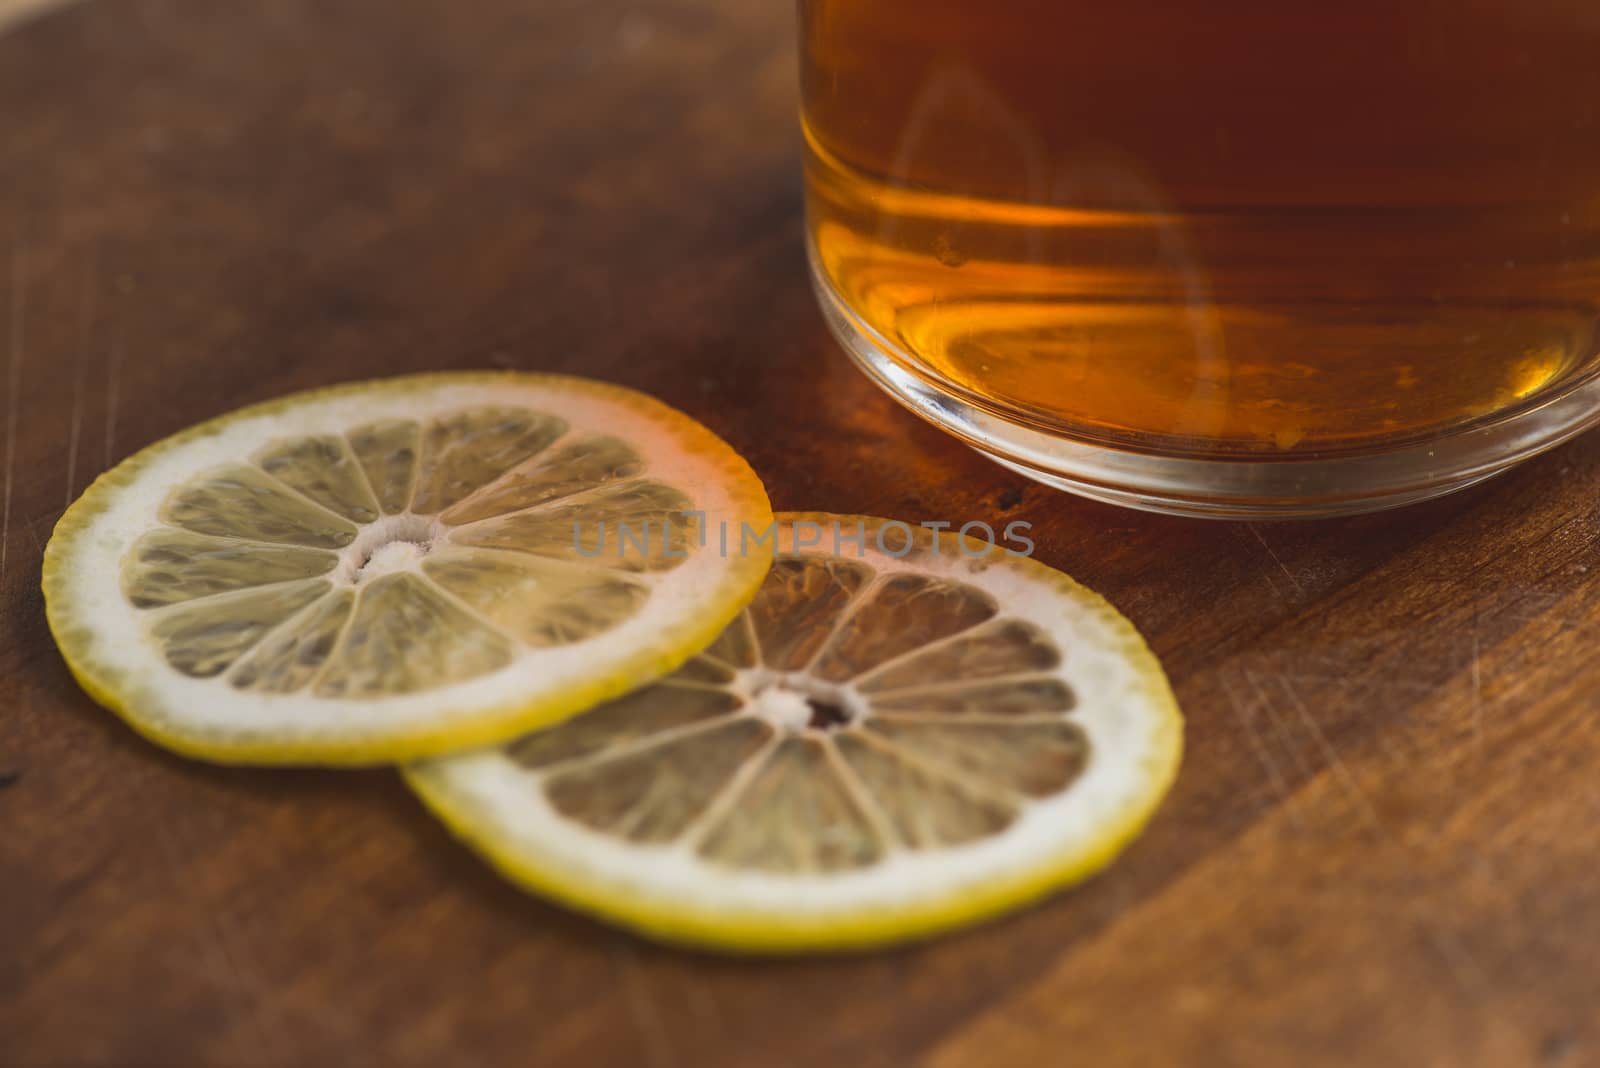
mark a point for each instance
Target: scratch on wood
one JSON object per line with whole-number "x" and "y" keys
{"x": 1280, "y": 785}
{"x": 49, "y": 520}
{"x": 80, "y": 380}
{"x": 1286, "y": 572}
{"x": 13, "y": 389}
{"x": 113, "y": 397}
{"x": 1465, "y": 970}
{"x": 1280, "y": 728}
{"x": 642, "y": 1008}
{"x": 1334, "y": 761}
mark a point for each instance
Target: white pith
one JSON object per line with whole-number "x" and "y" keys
{"x": 783, "y": 698}
{"x": 388, "y": 544}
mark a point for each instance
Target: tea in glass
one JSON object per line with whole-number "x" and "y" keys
{"x": 1234, "y": 258}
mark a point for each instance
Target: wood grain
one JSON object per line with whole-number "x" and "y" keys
{"x": 1382, "y": 847}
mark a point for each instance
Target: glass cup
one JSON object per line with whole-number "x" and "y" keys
{"x": 1247, "y": 258}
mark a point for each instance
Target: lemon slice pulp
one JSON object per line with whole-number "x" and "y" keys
{"x": 387, "y": 570}
{"x": 904, "y": 732}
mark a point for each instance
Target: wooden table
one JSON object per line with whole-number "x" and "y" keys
{"x": 1382, "y": 849}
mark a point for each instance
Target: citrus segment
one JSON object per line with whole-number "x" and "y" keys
{"x": 202, "y": 638}
{"x": 539, "y": 602}
{"x": 171, "y": 566}
{"x": 653, "y": 793}
{"x": 1029, "y": 759}
{"x": 405, "y": 636}
{"x": 467, "y": 450}
{"x": 904, "y": 613}
{"x": 323, "y": 470}
{"x": 237, "y": 501}
{"x": 572, "y": 467}
{"x": 637, "y": 525}
{"x": 795, "y": 610}
{"x": 387, "y": 452}
{"x": 1015, "y": 696}
{"x": 1005, "y": 647}
{"x": 295, "y": 653}
{"x": 613, "y": 727}
{"x": 795, "y": 816}
{"x": 925, "y": 809}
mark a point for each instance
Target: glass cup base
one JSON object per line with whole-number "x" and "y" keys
{"x": 1224, "y": 487}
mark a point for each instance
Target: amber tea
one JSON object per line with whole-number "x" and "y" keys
{"x": 1244, "y": 230}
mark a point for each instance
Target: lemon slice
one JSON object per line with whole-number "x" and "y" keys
{"x": 890, "y": 741}
{"x": 386, "y": 570}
